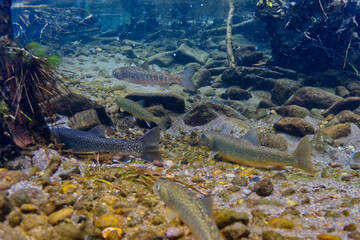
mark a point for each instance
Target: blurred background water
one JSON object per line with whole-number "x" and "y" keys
{"x": 130, "y": 16}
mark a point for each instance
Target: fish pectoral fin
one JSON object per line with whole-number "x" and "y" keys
{"x": 212, "y": 154}
{"x": 208, "y": 203}
{"x": 148, "y": 123}
{"x": 170, "y": 214}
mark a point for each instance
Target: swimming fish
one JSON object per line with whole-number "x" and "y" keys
{"x": 94, "y": 140}
{"x": 195, "y": 212}
{"x": 142, "y": 75}
{"x": 243, "y": 152}
{"x": 137, "y": 110}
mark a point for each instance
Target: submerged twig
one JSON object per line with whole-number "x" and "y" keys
{"x": 229, "y": 50}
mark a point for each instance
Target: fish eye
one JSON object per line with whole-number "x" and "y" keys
{"x": 157, "y": 187}
{"x": 203, "y": 136}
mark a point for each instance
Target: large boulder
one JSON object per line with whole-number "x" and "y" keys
{"x": 294, "y": 126}
{"x": 310, "y": 97}
{"x": 186, "y": 54}
{"x": 71, "y": 103}
{"x": 169, "y": 101}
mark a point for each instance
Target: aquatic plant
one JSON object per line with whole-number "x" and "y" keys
{"x": 28, "y": 83}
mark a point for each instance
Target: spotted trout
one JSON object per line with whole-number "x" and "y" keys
{"x": 242, "y": 152}
{"x": 195, "y": 212}
{"x": 141, "y": 75}
{"x": 94, "y": 141}
{"x": 137, "y": 110}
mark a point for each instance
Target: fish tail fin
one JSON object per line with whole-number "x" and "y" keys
{"x": 151, "y": 141}
{"x": 186, "y": 80}
{"x": 165, "y": 123}
{"x": 303, "y": 154}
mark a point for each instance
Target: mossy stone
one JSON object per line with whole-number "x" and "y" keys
{"x": 281, "y": 223}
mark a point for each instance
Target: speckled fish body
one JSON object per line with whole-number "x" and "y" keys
{"x": 195, "y": 212}
{"x": 143, "y": 76}
{"x": 138, "y": 111}
{"x": 245, "y": 153}
{"x": 82, "y": 141}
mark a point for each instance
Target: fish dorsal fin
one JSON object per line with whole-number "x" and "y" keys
{"x": 208, "y": 203}
{"x": 99, "y": 131}
{"x": 145, "y": 66}
{"x": 170, "y": 214}
{"x": 141, "y": 102}
{"x": 252, "y": 137}
{"x": 212, "y": 154}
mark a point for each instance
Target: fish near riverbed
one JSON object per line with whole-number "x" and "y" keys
{"x": 139, "y": 111}
{"x": 243, "y": 152}
{"x": 142, "y": 75}
{"x": 195, "y": 212}
{"x": 94, "y": 141}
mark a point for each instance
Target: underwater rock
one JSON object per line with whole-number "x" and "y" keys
{"x": 292, "y": 111}
{"x": 350, "y": 103}
{"x": 354, "y": 88}
{"x": 162, "y": 59}
{"x": 266, "y": 104}
{"x": 65, "y": 231}
{"x": 342, "y": 91}
{"x": 240, "y": 181}
{"x": 72, "y": 103}
{"x": 310, "y": 97}
{"x": 14, "y": 218}
{"x": 236, "y": 231}
{"x": 273, "y": 141}
{"x": 84, "y": 120}
{"x": 27, "y": 195}
{"x": 145, "y": 235}
{"x": 169, "y": 101}
{"x": 259, "y": 218}
{"x": 202, "y": 78}
{"x": 282, "y": 223}
{"x": 246, "y": 77}
{"x": 271, "y": 235}
{"x": 336, "y": 131}
{"x": 345, "y": 116}
{"x": 247, "y": 55}
{"x": 31, "y": 221}
{"x": 60, "y": 215}
{"x": 204, "y": 111}
{"x": 294, "y": 126}
{"x": 237, "y": 93}
{"x": 282, "y": 90}
{"x": 110, "y": 220}
{"x": 186, "y": 54}
{"x": 174, "y": 233}
{"x": 5, "y": 207}
{"x": 226, "y": 217}
{"x": 9, "y": 178}
{"x": 200, "y": 113}
{"x": 8, "y": 233}
{"x": 207, "y": 91}
{"x": 264, "y": 188}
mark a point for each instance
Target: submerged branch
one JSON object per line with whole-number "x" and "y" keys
{"x": 229, "y": 50}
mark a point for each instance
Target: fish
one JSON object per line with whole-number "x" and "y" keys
{"x": 245, "y": 153}
{"x": 142, "y": 75}
{"x": 94, "y": 140}
{"x": 195, "y": 212}
{"x": 137, "y": 110}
